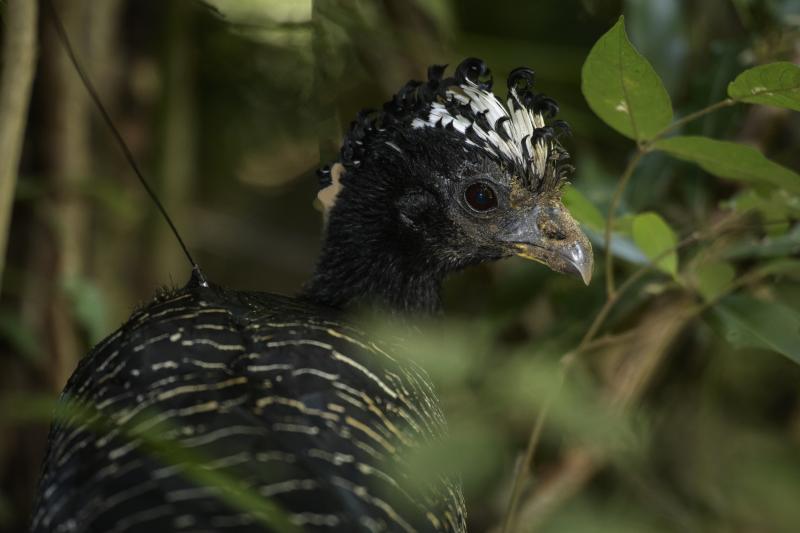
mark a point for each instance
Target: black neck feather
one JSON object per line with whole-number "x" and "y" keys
{"x": 385, "y": 285}
{"x": 370, "y": 259}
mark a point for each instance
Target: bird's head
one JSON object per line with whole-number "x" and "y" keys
{"x": 447, "y": 176}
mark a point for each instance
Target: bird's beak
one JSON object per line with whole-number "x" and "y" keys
{"x": 548, "y": 234}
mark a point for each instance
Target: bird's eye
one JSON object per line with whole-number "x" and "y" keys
{"x": 480, "y": 197}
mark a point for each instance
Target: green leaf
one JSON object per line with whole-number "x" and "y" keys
{"x": 582, "y": 209}
{"x": 253, "y": 11}
{"x": 749, "y": 322}
{"x": 622, "y": 88}
{"x": 730, "y": 160}
{"x": 713, "y": 278}
{"x": 775, "y": 84}
{"x": 89, "y": 306}
{"x": 654, "y": 237}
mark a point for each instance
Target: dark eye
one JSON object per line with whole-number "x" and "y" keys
{"x": 480, "y": 197}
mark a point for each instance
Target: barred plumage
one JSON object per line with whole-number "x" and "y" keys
{"x": 301, "y": 407}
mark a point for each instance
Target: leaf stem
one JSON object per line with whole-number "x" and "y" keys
{"x": 527, "y": 460}
{"x": 621, "y": 184}
{"x": 643, "y": 148}
{"x": 727, "y": 102}
{"x": 614, "y": 297}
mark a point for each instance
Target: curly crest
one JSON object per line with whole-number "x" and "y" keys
{"x": 520, "y": 134}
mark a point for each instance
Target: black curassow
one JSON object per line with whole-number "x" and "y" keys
{"x": 286, "y": 395}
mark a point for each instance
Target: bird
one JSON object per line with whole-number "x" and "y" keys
{"x": 292, "y": 397}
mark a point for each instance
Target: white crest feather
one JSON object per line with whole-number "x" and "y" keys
{"x": 517, "y": 121}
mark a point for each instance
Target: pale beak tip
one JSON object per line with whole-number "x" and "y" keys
{"x": 586, "y": 273}
{"x": 580, "y": 259}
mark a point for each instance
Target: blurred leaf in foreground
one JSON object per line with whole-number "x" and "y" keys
{"x": 259, "y": 11}
{"x": 609, "y": 515}
{"x": 655, "y": 238}
{"x": 780, "y": 267}
{"x": 775, "y": 84}
{"x": 730, "y": 160}
{"x": 623, "y": 89}
{"x": 749, "y": 322}
{"x": 282, "y": 23}
{"x": 713, "y": 278}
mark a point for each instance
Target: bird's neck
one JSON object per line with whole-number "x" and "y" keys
{"x": 365, "y": 263}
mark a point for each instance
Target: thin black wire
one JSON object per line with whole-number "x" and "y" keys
{"x": 197, "y": 275}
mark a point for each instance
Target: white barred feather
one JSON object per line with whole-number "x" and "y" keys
{"x": 518, "y": 122}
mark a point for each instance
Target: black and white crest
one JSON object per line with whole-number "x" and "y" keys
{"x": 519, "y": 135}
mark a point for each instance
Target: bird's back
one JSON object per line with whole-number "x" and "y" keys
{"x": 279, "y": 397}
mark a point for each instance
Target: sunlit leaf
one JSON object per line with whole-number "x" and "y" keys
{"x": 283, "y": 23}
{"x": 254, "y": 11}
{"x": 622, "y": 88}
{"x": 730, "y": 160}
{"x": 582, "y": 209}
{"x": 713, "y": 278}
{"x": 775, "y": 84}
{"x": 749, "y": 322}
{"x": 655, "y": 238}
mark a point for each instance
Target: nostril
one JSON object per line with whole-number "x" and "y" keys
{"x": 551, "y": 230}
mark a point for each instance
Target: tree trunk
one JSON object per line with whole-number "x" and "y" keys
{"x": 19, "y": 64}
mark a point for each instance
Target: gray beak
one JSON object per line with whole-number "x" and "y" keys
{"x": 548, "y": 234}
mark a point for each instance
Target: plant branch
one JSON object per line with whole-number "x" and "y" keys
{"x": 527, "y": 460}
{"x": 621, "y": 184}
{"x": 19, "y": 65}
{"x": 581, "y": 463}
{"x": 628, "y": 381}
{"x": 643, "y": 148}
